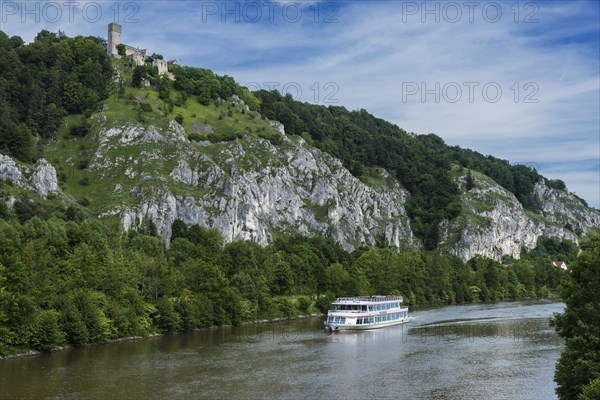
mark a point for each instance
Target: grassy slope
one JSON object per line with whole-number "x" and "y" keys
{"x": 70, "y": 155}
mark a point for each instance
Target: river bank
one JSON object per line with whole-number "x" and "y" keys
{"x": 31, "y": 353}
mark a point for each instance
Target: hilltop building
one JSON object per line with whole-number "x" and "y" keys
{"x": 138, "y": 56}
{"x": 134, "y": 54}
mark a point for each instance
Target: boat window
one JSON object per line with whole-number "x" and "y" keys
{"x": 364, "y": 308}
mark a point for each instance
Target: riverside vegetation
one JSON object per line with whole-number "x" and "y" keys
{"x": 68, "y": 276}
{"x": 578, "y": 369}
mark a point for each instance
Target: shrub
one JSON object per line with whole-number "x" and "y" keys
{"x": 304, "y": 304}
{"x": 80, "y": 130}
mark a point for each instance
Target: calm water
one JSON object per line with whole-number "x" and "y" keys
{"x": 483, "y": 351}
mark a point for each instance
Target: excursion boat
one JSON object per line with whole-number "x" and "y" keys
{"x": 372, "y": 312}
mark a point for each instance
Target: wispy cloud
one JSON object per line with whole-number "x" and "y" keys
{"x": 542, "y": 55}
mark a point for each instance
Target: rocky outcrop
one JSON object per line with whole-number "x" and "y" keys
{"x": 44, "y": 179}
{"x": 250, "y": 190}
{"x": 41, "y": 178}
{"x": 494, "y": 224}
{"x": 9, "y": 170}
{"x": 563, "y": 208}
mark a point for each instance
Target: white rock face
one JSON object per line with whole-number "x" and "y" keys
{"x": 299, "y": 190}
{"x": 9, "y": 170}
{"x": 563, "y": 208}
{"x": 495, "y": 224}
{"x": 250, "y": 189}
{"x": 44, "y": 179}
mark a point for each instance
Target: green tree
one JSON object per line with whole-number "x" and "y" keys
{"x": 579, "y": 363}
{"x": 20, "y": 142}
{"x": 137, "y": 76}
{"x": 121, "y": 49}
{"x": 46, "y": 333}
{"x": 339, "y": 281}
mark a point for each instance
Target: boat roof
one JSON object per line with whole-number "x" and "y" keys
{"x": 367, "y": 299}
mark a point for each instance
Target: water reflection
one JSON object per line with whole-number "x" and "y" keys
{"x": 492, "y": 351}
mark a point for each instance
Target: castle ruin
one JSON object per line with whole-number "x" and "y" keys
{"x": 133, "y": 54}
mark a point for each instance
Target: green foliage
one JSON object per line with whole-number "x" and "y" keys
{"x": 145, "y": 107}
{"x": 27, "y": 208}
{"x": 591, "y": 391}
{"x": 46, "y": 333}
{"x": 80, "y": 130}
{"x": 274, "y": 137}
{"x": 469, "y": 182}
{"x": 556, "y": 184}
{"x": 578, "y": 369}
{"x": 44, "y": 80}
{"x": 324, "y": 302}
{"x": 304, "y": 304}
{"x": 18, "y": 140}
{"x": 208, "y": 87}
{"x": 137, "y": 76}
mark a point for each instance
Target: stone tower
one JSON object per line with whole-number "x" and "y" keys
{"x": 114, "y": 39}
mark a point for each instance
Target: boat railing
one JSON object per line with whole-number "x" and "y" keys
{"x": 369, "y": 298}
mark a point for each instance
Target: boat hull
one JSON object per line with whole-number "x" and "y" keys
{"x": 332, "y": 327}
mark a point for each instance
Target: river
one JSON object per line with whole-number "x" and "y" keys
{"x": 481, "y": 351}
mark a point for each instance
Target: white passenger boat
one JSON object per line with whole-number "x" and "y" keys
{"x": 366, "y": 313}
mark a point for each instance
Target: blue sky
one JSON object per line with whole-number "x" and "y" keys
{"x": 518, "y": 79}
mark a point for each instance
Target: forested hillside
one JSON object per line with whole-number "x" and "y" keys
{"x": 44, "y": 81}
{"x": 422, "y": 163}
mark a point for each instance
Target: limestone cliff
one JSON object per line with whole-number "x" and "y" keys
{"x": 251, "y": 189}
{"x": 563, "y": 208}
{"x": 494, "y": 223}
